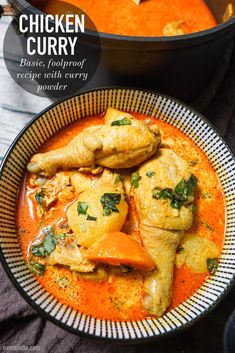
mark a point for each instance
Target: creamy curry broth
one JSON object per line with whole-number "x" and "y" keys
{"x": 119, "y": 296}
{"x": 149, "y": 18}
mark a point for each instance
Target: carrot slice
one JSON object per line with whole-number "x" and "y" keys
{"x": 120, "y": 249}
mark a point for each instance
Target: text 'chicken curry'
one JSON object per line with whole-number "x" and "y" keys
{"x": 121, "y": 216}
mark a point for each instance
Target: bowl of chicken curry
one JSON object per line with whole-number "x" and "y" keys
{"x": 117, "y": 212}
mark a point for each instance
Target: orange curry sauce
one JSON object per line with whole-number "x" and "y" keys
{"x": 124, "y": 17}
{"x": 119, "y": 296}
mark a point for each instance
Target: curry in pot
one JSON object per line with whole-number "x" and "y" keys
{"x": 148, "y": 18}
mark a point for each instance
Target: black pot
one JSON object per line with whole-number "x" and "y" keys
{"x": 181, "y": 66}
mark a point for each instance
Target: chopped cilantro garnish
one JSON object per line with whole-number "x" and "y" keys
{"x": 47, "y": 245}
{"x": 91, "y": 218}
{"x": 118, "y": 178}
{"x": 150, "y": 174}
{"x": 82, "y": 207}
{"x": 37, "y": 268}
{"x": 41, "y": 223}
{"x": 49, "y": 242}
{"x": 109, "y": 202}
{"x": 212, "y": 265}
{"x": 166, "y": 193}
{"x": 38, "y": 250}
{"x": 135, "y": 180}
{"x": 124, "y": 121}
{"x": 186, "y": 187}
{"x": 193, "y": 207}
{"x": 179, "y": 195}
{"x": 39, "y": 196}
{"x": 208, "y": 226}
{"x": 63, "y": 282}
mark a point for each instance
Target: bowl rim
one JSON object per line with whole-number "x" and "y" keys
{"x": 157, "y": 39}
{"x": 44, "y": 314}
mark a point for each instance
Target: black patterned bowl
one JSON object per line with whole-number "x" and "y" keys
{"x": 48, "y": 123}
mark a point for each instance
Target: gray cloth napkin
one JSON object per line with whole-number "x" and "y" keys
{"x": 20, "y": 326}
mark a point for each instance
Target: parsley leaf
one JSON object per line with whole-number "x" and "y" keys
{"x": 150, "y": 174}
{"x": 49, "y": 241}
{"x": 166, "y": 193}
{"x": 186, "y": 187}
{"x": 179, "y": 195}
{"x": 118, "y": 178}
{"x": 82, "y": 207}
{"x": 38, "y": 250}
{"x": 212, "y": 265}
{"x": 37, "y": 268}
{"x": 208, "y": 226}
{"x": 91, "y": 218}
{"x": 135, "y": 180}
{"x": 193, "y": 207}
{"x": 39, "y": 196}
{"x": 124, "y": 121}
{"x": 48, "y": 244}
{"x": 108, "y": 201}
{"x": 63, "y": 282}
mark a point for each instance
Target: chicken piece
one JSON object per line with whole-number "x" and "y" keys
{"x": 121, "y": 142}
{"x": 100, "y": 209}
{"x": 162, "y": 225}
{"x": 179, "y": 27}
{"x": 82, "y": 182}
{"x": 166, "y": 169}
{"x": 161, "y": 245}
{"x": 70, "y": 256}
{"x": 58, "y": 188}
{"x": 174, "y": 28}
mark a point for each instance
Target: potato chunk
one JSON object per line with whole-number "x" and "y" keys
{"x": 195, "y": 251}
{"x": 91, "y": 224}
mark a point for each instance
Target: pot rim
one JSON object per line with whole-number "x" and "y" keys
{"x": 161, "y": 39}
